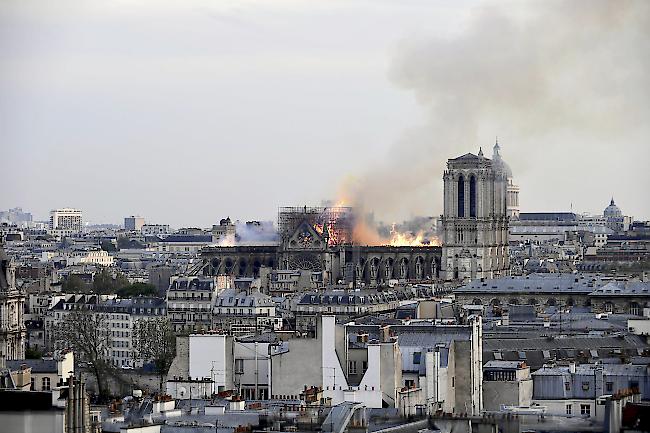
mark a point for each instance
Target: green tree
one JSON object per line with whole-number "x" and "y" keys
{"x": 104, "y": 281}
{"x": 73, "y": 283}
{"x": 137, "y": 289}
{"x": 33, "y": 353}
{"x": 154, "y": 341}
{"x": 88, "y": 335}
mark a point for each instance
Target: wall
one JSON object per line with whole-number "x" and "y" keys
{"x": 181, "y": 364}
{"x": 33, "y": 421}
{"x": 558, "y": 407}
{"x": 255, "y": 371}
{"x": 391, "y": 371}
{"x": 208, "y": 358}
{"x": 509, "y": 393}
{"x": 298, "y": 367}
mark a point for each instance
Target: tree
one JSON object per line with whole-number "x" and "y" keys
{"x": 104, "y": 282}
{"x": 88, "y": 335}
{"x": 108, "y": 246}
{"x": 33, "y": 353}
{"x": 154, "y": 341}
{"x": 137, "y": 289}
{"x": 74, "y": 283}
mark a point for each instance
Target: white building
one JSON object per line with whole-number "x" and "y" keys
{"x": 178, "y": 243}
{"x": 94, "y": 257}
{"x": 230, "y": 364}
{"x": 244, "y": 312}
{"x": 66, "y": 221}
{"x": 121, "y": 317}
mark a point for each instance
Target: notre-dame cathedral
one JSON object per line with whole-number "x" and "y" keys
{"x": 475, "y": 218}
{"x": 12, "y": 322}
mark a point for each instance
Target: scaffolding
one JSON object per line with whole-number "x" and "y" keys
{"x": 338, "y": 220}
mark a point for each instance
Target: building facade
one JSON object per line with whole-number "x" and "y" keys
{"x": 475, "y": 219}
{"x": 12, "y": 307}
{"x": 133, "y": 223}
{"x": 66, "y": 221}
{"x": 190, "y": 302}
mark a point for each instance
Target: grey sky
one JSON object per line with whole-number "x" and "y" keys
{"x": 188, "y": 111}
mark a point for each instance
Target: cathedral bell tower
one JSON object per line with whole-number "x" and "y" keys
{"x": 475, "y": 220}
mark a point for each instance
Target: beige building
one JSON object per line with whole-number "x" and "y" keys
{"x": 475, "y": 219}
{"x": 93, "y": 257}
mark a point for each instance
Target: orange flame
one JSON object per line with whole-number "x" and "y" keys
{"x": 398, "y": 239}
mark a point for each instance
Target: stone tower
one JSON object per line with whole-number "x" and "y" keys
{"x": 475, "y": 219}
{"x": 12, "y": 322}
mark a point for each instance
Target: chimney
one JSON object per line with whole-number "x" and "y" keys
{"x": 385, "y": 334}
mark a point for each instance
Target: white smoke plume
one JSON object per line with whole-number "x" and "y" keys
{"x": 565, "y": 86}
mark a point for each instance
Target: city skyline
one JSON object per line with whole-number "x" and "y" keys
{"x": 244, "y": 107}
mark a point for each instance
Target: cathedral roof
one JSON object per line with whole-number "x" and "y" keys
{"x": 467, "y": 157}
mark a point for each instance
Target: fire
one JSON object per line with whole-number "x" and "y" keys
{"x": 367, "y": 234}
{"x": 408, "y": 239}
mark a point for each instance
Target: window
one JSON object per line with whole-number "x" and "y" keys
{"x": 461, "y": 197}
{"x": 585, "y": 386}
{"x": 46, "y": 384}
{"x": 409, "y": 383}
{"x": 239, "y": 366}
{"x": 353, "y": 367}
{"x": 416, "y": 357}
{"x": 567, "y": 386}
{"x": 585, "y": 410}
{"x": 569, "y": 409}
{"x": 472, "y": 197}
{"x": 364, "y": 365}
{"x": 609, "y": 386}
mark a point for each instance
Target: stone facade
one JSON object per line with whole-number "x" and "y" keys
{"x": 373, "y": 265}
{"x": 475, "y": 220}
{"x": 12, "y": 307}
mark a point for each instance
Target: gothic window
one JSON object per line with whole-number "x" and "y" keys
{"x": 461, "y": 197}
{"x": 472, "y": 197}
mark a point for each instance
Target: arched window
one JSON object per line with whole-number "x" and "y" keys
{"x": 472, "y": 197}
{"x": 461, "y": 197}
{"x": 46, "y": 384}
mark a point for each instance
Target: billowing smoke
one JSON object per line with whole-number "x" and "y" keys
{"x": 564, "y": 84}
{"x": 250, "y": 232}
{"x": 255, "y": 231}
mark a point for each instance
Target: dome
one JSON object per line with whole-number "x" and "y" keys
{"x": 612, "y": 210}
{"x": 499, "y": 162}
